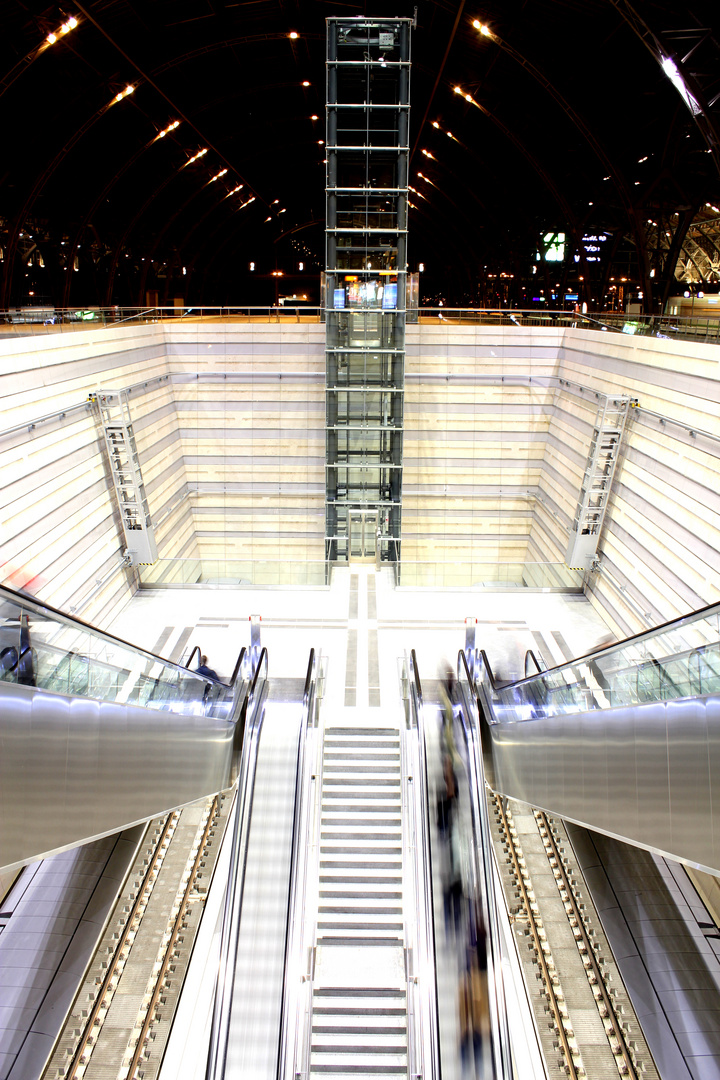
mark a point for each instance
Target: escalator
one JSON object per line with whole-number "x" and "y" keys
{"x": 97, "y": 734}
{"x": 624, "y": 740}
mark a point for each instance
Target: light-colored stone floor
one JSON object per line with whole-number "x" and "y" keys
{"x": 432, "y": 621}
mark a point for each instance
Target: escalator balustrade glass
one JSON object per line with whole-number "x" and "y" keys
{"x": 42, "y": 647}
{"x": 677, "y": 660}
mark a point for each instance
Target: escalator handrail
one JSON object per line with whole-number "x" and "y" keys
{"x": 644, "y": 635}
{"x": 530, "y": 655}
{"x": 495, "y": 686}
{"x": 225, "y": 978}
{"x": 484, "y": 861}
{"x": 41, "y": 607}
{"x": 661, "y": 665}
{"x": 298, "y": 877}
{"x": 196, "y": 649}
{"x": 423, "y": 853}
{"x": 238, "y": 666}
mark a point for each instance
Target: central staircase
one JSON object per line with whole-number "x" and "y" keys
{"x": 359, "y": 1008}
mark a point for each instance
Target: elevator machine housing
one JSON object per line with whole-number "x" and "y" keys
{"x": 367, "y": 118}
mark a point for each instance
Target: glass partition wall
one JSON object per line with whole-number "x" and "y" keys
{"x": 368, "y": 102}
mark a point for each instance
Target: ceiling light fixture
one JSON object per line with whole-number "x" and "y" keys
{"x": 671, "y": 70}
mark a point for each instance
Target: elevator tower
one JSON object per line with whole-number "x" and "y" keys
{"x": 367, "y": 131}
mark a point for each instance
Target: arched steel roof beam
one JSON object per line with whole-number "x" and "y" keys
{"x": 574, "y": 225}
{"x": 701, "y": 226}
{"x": 19, "y": 221}
{"x": 689, "y": 86}
{"x": 198, "y": 224}
{"x": 438, "y": 77}
{"x": 151, "y": 82}
{"x": 592, "y": 141}
{"x": 226, "y": 43}
{"x": 21, "y": 66}
{"x": 119, "y": 247}
{"x": 100, "y": 198}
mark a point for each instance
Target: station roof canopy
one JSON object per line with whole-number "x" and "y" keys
{"x": 176, "y": 146}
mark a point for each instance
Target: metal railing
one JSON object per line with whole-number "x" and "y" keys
{"x": 44, "y": 647}
{"x": 295, "y": 1025}
{"x": 422, "y": 1002}
{"x": 482, "y": 858}
{"x": 33, "y": 319}
{"x": 225, "y": 979}
{"x": 680, "y": 659}
{"x": 40, "y": 319}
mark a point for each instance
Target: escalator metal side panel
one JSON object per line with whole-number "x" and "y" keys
{"x": 73, "y": 769}
{"x": 648, "y": 774}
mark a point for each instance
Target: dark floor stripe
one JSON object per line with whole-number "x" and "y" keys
{"x": 368, "y": 731}
{"x": 356, "y": 1010}
{"x": 347, "y": 909}
{"x": 364, "y": 1029}
{"x": 351, "y": 668}
{"x": 351, "y": 991}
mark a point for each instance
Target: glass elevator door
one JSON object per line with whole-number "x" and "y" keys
{"x": 363, "y": 530}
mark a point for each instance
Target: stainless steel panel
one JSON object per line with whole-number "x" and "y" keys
{"x": 73, "y": 769}
{"x": 647, "y": 773}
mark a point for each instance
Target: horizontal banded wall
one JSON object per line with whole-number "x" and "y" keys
{"x": 60, "y": 532}
{"x": 250, "y": 402}
{"x": 477, "y": 412}
{"x": 229, "y": 420}
{"x": 661, "y": 542}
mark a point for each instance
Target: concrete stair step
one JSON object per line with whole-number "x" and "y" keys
{"x": 368, "y": 793}
{"x": 343, "y": 863}
{"x": 335, "y": 875}
{"x": 388, "y": 787}
{"x": 355, "y": 832}
{"x": 348, "y": 768}
{"x": 381, "y": 758}
{"x": 337, "y": 1041}
{"x": 364, "y": 814}
{"x": 357, "y": 1072}
{"x": 371, "y": 908}
{"x": 351, "y": 1061}
{"x": 346, "y": 941}
{"x": 342, "y": 1025}
{"x": 359, "y": 895}
{"x": 341, "y": 923}
{"x": 349, "y": 1013}
{"x": 363, "y": 731}
{"x": 378, "y": 750}
{"x": 382, "y": 848}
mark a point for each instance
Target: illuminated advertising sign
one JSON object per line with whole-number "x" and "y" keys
{"x": 389, "y": 300}
{"x": 553, "y": 247}
{"x": 593, "y": 245}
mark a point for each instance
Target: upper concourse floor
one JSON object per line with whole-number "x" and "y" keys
{"x": 229, "y": 419}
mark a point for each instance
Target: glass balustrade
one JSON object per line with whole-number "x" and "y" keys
{"x": 45, "y": 648}
{"x": 677, "y": 660}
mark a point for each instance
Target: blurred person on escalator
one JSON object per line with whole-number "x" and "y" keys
{"x": 473, "y": 997}
{"x": 208, "y": 672}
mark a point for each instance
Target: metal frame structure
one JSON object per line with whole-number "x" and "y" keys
{"x": 596, "y": 486}
{"x": 114, "y": 410}
{"x": 367, "y": 144}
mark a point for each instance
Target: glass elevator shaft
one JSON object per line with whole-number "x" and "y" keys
{"x": 368, "y": 104}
